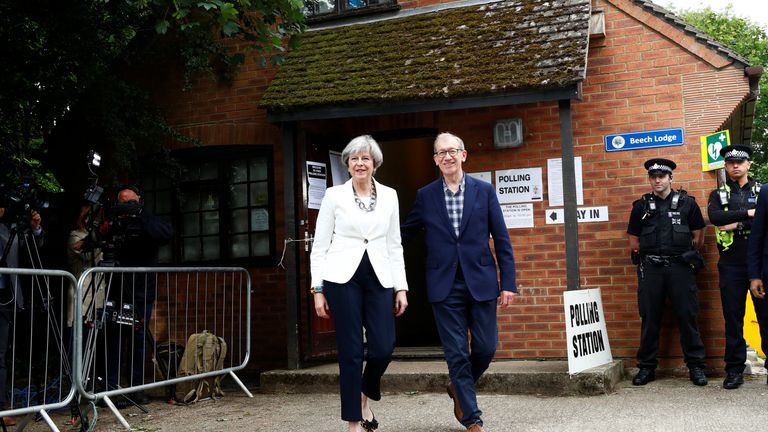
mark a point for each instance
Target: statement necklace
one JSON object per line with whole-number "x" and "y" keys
{"x": 363, "y": 207}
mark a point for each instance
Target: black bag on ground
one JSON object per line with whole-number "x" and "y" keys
{"x": 167, "y": 358}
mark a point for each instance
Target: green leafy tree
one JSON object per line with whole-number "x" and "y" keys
{"x": 750, "y": 41}
{"x": 59, "y": 57}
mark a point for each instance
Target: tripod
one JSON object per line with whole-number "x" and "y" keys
{"x": 98, "y": 312}
{"x": 20, "y": 238}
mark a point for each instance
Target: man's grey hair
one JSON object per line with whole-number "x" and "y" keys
{"x": 363, "y": 144}
{"x": 448, "y": 135}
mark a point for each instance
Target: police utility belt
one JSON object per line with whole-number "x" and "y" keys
{"x": 662, "y": 260}
{"x": 691, "y": 258}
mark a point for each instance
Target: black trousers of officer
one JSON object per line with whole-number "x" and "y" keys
{"x": 734, "y": 285}
{"x": 655, "y": 284}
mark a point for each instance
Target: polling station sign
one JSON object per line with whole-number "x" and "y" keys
{"x": 519, "y": 185}
{"x": 587, "y": 337}
{"x": 643, "y": 140}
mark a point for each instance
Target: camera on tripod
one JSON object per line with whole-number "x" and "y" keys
{"x": 110, "y": 224}
{"x": 20, "y": 200}
{"x": 122, "y": 223}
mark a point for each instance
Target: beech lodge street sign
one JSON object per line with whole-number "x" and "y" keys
{"x": 644, "y": 140}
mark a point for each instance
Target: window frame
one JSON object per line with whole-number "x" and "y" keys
{"x": 341, "y": 11}
{"x": 224, "y": 158}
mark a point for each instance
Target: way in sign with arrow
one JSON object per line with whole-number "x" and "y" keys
{"x": 583, "y": 214}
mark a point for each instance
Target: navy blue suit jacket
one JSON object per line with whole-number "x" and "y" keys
{"x": 757, "y": 252}
{"x": 481, "y": 218}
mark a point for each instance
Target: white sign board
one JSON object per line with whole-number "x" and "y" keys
{"x": 484, "y": 176}
{"x": 339, "y": 172}
{"x": 583, "y": 214}
{"x": 519, "y": 185}
{"x": 518, "y": 215}
{"x": 586, "y": 335}
{"x": 555, "y": 181}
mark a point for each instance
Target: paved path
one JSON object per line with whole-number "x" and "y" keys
{"x": 669, "y": 404}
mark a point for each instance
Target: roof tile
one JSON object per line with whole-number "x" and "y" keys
{"x": 495, "y": 48}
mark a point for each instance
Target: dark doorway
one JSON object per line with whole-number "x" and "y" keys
{"x": 407, "y": 167}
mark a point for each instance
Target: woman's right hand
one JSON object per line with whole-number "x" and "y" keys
{"x": 321, "y": 305}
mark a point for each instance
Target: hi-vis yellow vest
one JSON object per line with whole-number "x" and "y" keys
{"x": 725, "y": 238}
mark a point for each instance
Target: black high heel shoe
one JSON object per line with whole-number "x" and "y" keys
{"x": 370, "y": 425}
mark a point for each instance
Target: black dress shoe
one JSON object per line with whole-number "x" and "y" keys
{"x": 370, "y": 425}
{"x": 644, "y": 376}
{"x": 697, "y": 376}
{"x": 733, "y": 380}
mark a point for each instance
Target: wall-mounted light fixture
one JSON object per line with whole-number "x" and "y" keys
{"x": 508, "y": 133}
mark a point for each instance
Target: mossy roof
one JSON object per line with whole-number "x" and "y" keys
{"x": 491, "y": 49}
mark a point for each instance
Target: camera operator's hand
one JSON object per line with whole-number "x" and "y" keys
{"x": 34, "y": 220}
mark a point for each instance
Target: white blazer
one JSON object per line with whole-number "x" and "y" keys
{"x": 341, "y": 240}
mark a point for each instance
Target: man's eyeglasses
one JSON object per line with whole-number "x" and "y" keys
{"x": 452, "y": 152}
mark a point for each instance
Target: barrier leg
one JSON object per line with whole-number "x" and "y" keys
{"x": 29, "y": 418}
{"x": 48, "y": 420}
{"x": 116, "y": 412}
{"x": 240, "y": 383}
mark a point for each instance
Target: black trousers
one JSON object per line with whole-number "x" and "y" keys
{"x": 734, "y": 285}
{"x": 655, "y": 284}
{"x": 361, "y": 303}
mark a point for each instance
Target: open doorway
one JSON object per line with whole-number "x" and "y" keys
{"x": 407, "y": 167}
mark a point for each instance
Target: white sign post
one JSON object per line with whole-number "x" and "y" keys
{"x": 586, "y": 335}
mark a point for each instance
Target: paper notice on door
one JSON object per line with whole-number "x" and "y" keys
{"x": 317, "y": 174}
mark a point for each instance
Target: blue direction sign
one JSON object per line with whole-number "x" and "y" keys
{"x": 644, "y": 140}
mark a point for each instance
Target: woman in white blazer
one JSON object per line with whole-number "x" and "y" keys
{"x": 356, "y": 264}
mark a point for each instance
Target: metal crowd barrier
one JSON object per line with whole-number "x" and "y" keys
{"x": 34, "y": 320}
{"x": 109, "y": 368}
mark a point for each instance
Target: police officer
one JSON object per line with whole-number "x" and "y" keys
{"x": 665, "y": 230}
{"x": 731, "y": 208}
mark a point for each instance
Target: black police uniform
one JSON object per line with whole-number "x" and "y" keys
{"x": 732, "y": 267}
{"x": 665, "y": 234}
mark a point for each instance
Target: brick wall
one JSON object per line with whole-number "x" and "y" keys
{"x": 638, "y": 79}
{"x": 223, "y": 114}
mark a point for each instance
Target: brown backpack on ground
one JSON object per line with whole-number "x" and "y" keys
{"x": 204, "y": 352}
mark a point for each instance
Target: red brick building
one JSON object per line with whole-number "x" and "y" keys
{"x": 573, "y": 71}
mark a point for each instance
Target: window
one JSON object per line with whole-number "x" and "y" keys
{"x": 223, "y": 205}
{"x": 320, "y": 9}
{"x": 156, "y": 192}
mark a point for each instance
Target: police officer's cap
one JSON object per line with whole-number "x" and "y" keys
{"x": 736, "y": 152}
{"x": 660, "y": 166}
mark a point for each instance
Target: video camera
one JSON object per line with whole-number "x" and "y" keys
{"x": 122, "y": 222}
{"x": 20, "y": 200}
{"x": 115, "y": 222}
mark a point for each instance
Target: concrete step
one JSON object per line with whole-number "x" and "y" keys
{"x": 549, "y": 378}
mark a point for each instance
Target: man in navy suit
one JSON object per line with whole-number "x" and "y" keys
{"x": 458, "y": 214}
{"x": 757, "y": 251}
